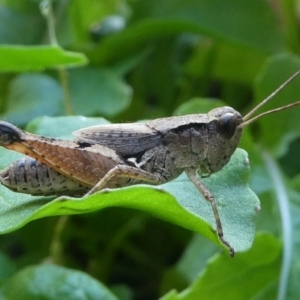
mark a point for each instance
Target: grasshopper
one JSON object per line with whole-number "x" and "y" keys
{"x": 116, "y": 155}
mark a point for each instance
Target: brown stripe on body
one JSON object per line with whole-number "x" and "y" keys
{"x": 85, "y": 165}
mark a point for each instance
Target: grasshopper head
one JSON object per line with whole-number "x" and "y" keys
{"x": 9, "y": 134}
{"x": 224, "y": 136}
{"x": 227, "y": 120}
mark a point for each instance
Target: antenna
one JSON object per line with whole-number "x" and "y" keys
{"x": 282, "y": 86}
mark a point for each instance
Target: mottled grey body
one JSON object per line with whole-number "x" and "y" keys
{"x": 117, "y": 155}
{"x": 161, "y": 149}
{"x": 168, "y": 146}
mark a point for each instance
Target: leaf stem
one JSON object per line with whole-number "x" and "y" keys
{"x": 288, "y": 9}
{"x": 56, "y": 249}
{"x": 47, "y": 11}
{"x": 63, "y": 77}
{"x": 283, "y": 204}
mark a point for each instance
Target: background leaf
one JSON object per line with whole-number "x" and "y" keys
{"x": 21, "y": 58}
{"x": 232, "y": 283}
{"x": 63, "y": 283}
{"x": 31, "y": 95}
{"x": 266, "y": 82}
{"x": 105, "y": 92}
{"x": 14, "y": 22}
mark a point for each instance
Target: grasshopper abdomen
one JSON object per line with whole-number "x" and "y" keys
{"x": 30, "y": 176}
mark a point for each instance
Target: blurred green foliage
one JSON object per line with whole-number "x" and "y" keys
{"x": 135, "y": 60}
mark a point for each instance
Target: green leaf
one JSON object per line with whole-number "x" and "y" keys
{"x": 37, "y": 58}
{"x": 209, "y": 18}
{"x": 198, "y": 106}
{"x": 178, "y": 202}
{"x": 187, "y": 269}
{"x": 62, "y": 127}
{"x": 294, "y": 271}
{"x": 278, "y": 129}
{"x": 32, "y": 95}
{"x": 237, "y": 64}
{"x": 212, "y": 17}
{"x": 104, "y": 92}
{"x": 84, "y": 15}
{"x": 278, "y": 196}
{"x": 246, "y": 276}
{"x": 7, "y": 269}
{"x": 53, "y": 282}
{"x": 14, "y": 25}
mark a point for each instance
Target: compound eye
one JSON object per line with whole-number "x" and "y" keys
{"x": 227, "y": 125}
{"x": 8, "y": 134}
